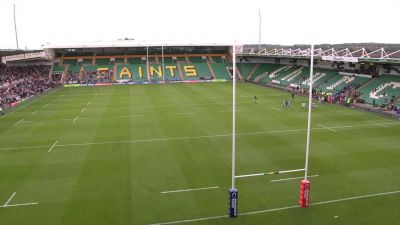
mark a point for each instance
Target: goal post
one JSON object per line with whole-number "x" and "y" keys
{"x": 233, "y": 192}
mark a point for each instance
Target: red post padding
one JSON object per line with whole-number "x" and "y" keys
{"x": 304, "y": 193}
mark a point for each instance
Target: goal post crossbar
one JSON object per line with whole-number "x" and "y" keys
{"x": 270, "y": 173}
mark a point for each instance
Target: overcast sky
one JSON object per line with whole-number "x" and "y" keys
{"x": 283, "y": 21}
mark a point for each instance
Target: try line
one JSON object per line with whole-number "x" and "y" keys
{"x": 186, "y": 190}
{"x": 281, "y": 208}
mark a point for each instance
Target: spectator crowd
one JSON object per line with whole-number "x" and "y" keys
{"x": 21, "y": 82}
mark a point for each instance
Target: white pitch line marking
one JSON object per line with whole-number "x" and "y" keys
{"x": 279, "y": 209}
{"x": 83, "y": 110}
{"x": 52, "y": 146}
{"x": 378, "y": 124}
{"x": 356, "y": 197}
{"x": 96, "y": 94}
{"x": 75, "y": 119}
{"x": 237, "y": 110}
{"x": 192, "y": 220}
{"x": 174, "y": 105}
{"x": 186, "y": 190}
{"x": 132, "y": 115}
{"x": 18, "y": 122}
{"x": 277, "y": 109}
{"x": 292, "y": 178}
{"x": 33, "y": 113}
{"x": 20, "y": 204}
{"x": 196, "y": 137}
{"x": 88, "y": 104}
{"x": 325, "y": 127}
{"x": 9, "y": 200}
{"x": 46, "y": 105}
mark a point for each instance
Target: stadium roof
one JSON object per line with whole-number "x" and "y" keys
{"x": 6, "y": 52}
{"x": 131, "y": 44}
{"x": 344, "y": 55}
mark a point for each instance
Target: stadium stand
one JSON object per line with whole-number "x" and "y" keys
{"x": 75, "y": 69}
{"x": 166, "y": 60}
{"x": 86, "y": 62}
{"x": 72, "y": 78}
{"x": 221, "y": 71}
{"x": 119, "y": 60}
{"x": 134, "y": 60}
{"x": 217, "y": 59}
{"x": 338, "y": 82}
{"x": 320, "y": 76}
{"x": 97, "y": 77}
{"x": 382, "y": 90}
{"x": 102, "y": 61}
{"x": 181, "y": 59}
{"x": 71, "y": 62}
{"x": 246, "y": 69}
{"x": 138, "y": 72}
{"x": 196, "y": 59}
{"x": 201, "y": 69}
{"x": 171, "y": 72}
{"x": 268, "y": 72}
{"x": 21, "y": 82}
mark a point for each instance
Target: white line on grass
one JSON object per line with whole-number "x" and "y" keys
{"x": 237, "y": 110}
{"x": 83, "y": 110}
{"x": 88, "y": 104}
{"x": 33, "y": 113}
{"x": 96, "y": 94}
{"x": 75, "y": 119}
{"x": 279, "y": 209}
{"x": 46, "y": 105}
{"x": 378, "y": 124}
{"x": 9, "y": 200}
{"x": 186, "y": 190}
{"x": 20, "y": 204}
{"x": 325, "y": 127}
{"x": 277, "y": 109}
{"x": 356, "y": 197}
{"x": 52, "y": 146}
{"x": 197, "y": 137}
{"x": 192, "y": 220}
{"x": 174, "y": 105}
{"x": 292, "y": 178}
{"x": 15, "y": 124}
{"x": 132, "y": 115}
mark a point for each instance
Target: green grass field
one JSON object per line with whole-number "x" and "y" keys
{"x": 104, "y": 155}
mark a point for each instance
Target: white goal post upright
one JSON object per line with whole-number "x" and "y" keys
{"x": 233, "y": 192}
{"x": 305, "y": 183}
{"x": 233, "y": 116}
{"x": 162, "y": 61}
{"x": 310, "y": 102}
